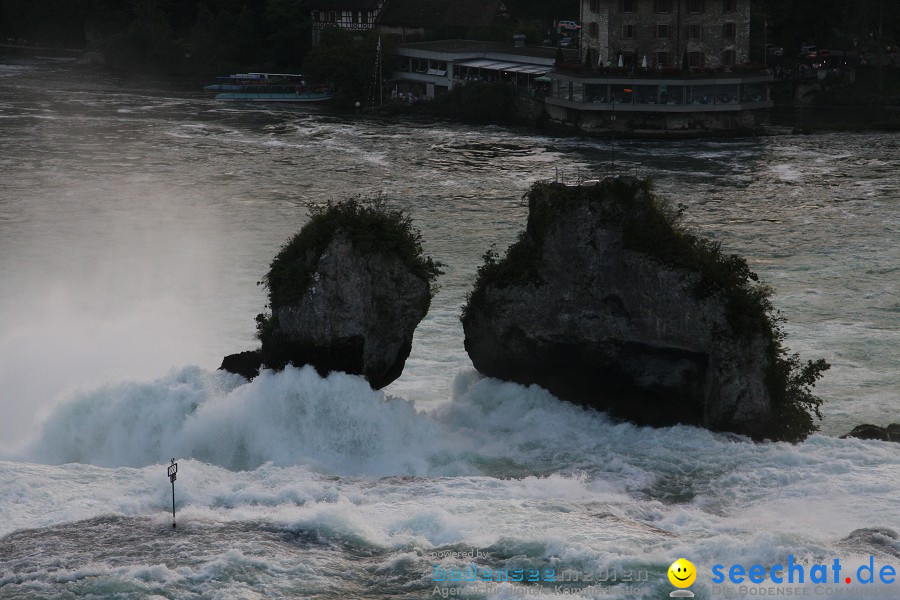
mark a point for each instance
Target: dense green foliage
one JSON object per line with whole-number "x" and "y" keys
{"x": 544, "y": 10}
{"x": 187, "y": 36}
{"x": 206, "y": 34}
{"x": 863, "y": 91}
{"x": 371, "y": 226}
{"x": 346, "y": 60}
{"x": 477, "y": 101}
{"x": 652, "y": 227}
{"x": 832, "y": 24}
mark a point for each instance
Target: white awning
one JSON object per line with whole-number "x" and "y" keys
{"x": 501, "y": 66}
{"x": 529, "y": 69}
{"x": 492, "y": 65}
{"x": 476, "y": 64}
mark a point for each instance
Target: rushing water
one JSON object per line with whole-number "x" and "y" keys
{"x": 135, "y": 221}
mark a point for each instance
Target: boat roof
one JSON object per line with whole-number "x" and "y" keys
{"x": 258, "y": 75}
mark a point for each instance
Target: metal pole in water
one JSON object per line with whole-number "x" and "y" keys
{"x": 612, "y": 131}
{"x": 172, "y": 471}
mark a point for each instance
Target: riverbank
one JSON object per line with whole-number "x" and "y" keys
{"x": 779, "y": 120}
{"x": 808, "y": 119}
{"x": 498, "y": 104}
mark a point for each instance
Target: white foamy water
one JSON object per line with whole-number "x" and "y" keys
{"x": 134, "y": 222}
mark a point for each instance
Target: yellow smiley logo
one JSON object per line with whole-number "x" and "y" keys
{"x": 682, "y": 573}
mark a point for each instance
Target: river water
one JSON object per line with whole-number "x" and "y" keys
{"x": 135, "y": 221}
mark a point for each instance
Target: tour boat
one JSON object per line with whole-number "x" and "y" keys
{"x": 268, "y": 87}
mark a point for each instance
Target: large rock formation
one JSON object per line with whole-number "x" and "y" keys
{"x": 606, "y": 303}
{"x": 346, "y": 294}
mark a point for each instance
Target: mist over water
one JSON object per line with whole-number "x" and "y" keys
{"x": 135, "y": 221}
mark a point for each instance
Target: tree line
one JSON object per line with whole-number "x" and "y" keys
{"x": 205, "y": 36}
{"x": 833, "y": 24}
{"x": 192, "y": 36}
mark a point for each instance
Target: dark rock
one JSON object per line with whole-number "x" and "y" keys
{"x": 573, "y": 307}
{"x": 891, "y": 433}
{"x": 879, "y": 541}
{"x": 347, "y": 293}
{"x": 246, "y": 363}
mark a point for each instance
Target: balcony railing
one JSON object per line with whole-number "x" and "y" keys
{"x": 738, "y": 71}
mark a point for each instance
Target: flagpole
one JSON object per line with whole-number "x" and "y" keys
{"x": 380, "y": 81}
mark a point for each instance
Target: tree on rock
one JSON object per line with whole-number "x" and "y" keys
{"x": 347, "y": 292}
{"x": 606, "y": 301}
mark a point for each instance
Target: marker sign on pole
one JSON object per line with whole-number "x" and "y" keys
{"x": 173, "y": 470}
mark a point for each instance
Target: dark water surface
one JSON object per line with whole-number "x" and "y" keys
{"x": 135, "y": 221}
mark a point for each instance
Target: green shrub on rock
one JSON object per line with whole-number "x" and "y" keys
{"x": 347, "y": 292}
{"x": 635, "y": 221}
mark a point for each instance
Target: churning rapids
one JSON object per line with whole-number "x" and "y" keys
{"x": 135, "y": 220}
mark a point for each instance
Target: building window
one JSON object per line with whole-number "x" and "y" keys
{"x": 593, "y": 30}
{"x": 662, "y": 59}
{"x": 315, "y": 16}
{"x": 729, "y": 31}
{"x": 629, "y": 32}
{"x": 356, "y": 16}
{"x": 332, "y": 17}
{"x": 729, "y": 6}
{"x": 662, "y": 6}
{"x": 695, "y": 59}
{"x": 696, "y": 6}
{"x": 595, "y": 6}
{"x": 728, "y": 58}
{"x": 694, "y": 32}
{"x": 627, "y": 6}
{"x": 621, "y": 94}
{"x": 662, "y": 32}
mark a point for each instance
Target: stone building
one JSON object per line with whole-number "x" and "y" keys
{"x": 700, "y": 34}
{"x": 661, "y": 66}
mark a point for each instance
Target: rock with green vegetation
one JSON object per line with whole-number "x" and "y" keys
{"x": 606, "y": 301}
{"x": 347, "y": 292}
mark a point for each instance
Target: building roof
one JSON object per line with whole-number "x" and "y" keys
{"x": 343, "y": 4}
{"x": 509, "y": 67}
{"x": 438, "y": 13}
{"x": 466, "y": 46}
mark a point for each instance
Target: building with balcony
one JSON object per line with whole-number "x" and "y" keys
{"x": 661, "y": 65}
{"x": 429, "y": 69}
{"x": 668, "y": 33}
